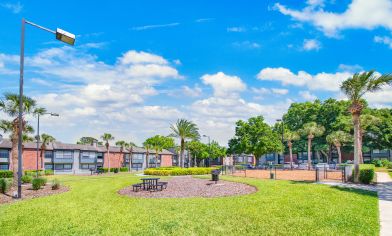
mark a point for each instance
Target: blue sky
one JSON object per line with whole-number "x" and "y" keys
{"x": 138, "y": 66}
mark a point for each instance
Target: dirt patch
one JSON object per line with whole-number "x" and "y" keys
{"x": 296, "y": 175}
{"x": 187, "y": 186}
{"x": 28, "y": 193}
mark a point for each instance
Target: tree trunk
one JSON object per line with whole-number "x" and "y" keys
{"x": 360, "y": 154}
{"x": 309, "y": 153}
{"x": 130, "y": 160}
{"x": 182, "y": 153}
{"x": 194, "y": 161}
{"x": 156, "y": 158}
{"x": 14, "y": 152}
{"x": 357, "y": 126}
{"x": 147, "y": 158}
{"x": 339, "y": 154}
{"x": 42, "y": 158}
{"x": 289, "y": 144}
{"x": 108, "y": 161}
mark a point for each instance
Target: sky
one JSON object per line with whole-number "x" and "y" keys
{"x": 138, "y": 66}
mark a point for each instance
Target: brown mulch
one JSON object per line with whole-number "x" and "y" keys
{"x": 28, "y": 193}
{"x": 187, "y": 186}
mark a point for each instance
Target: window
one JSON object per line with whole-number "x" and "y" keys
{"x": 151, "y": 159}
{"x": 49, "y": 154}
{"x": 64, "y": 154}
{"x": 48, "y": 167}
{"x": 63, "y": 167}
{"x": 137, "y": 158}
{"x": 3, "y": 167}
{"x": 4, "y": 153}
{"x": 88, "y": 155}
{"x": 87, "y": 166}
{"x": 377, "y": 151}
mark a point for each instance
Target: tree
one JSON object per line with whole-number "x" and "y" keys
{"x": 289, "y": 137}
{"x": 215, "y": 150}
{"x": 106, "y": 137}
{"x": 158, "y": 143}
{"x": 311, "y": 130}
{"x": 198, "y": 150}
{"x": 337, "y": 139}
{"x": 87, "y": 140}
{"x": 122, "y": 144}
{"x": 45, "y": 139}
{"x": 355, "y": 88}
{"x": 184, "y": 129}
{"x": 10, "y": 106}
{"x": 129, "y": 146}
{"x": 255, "y": 137}
{"x": 367, "y": 120}
{"x": 147, "y": 146}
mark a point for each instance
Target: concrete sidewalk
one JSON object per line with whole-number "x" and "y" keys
{"x": 384, "y": 187}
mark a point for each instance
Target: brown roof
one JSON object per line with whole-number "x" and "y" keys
{"x": 6, "y": 143}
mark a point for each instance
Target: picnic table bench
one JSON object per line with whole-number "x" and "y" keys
{"x": 149, "y": 184}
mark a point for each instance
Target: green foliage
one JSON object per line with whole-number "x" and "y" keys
{"x": 26, "y": 179}
{"x": 86, "y": 140}
{"x": 34, "y": 172}
{"x": 6, "y": 174}
{"x": 114, "y": 170}
{"x": 389, "y": 165}
{"x": 198, "y": 149}
{"x": 49, "y": 172}
{"x": 366, "y": 173}
{"x": 163, "y": 171}
{"x": 37, "y": 183}
{"x": 254, "y": 136}
{"x": 56, "y": 184}
{"x": 5, "y": 184}
{"x": 377, "y": 163}
{"x": 124, "y": 169}
{"x": 338, "y": 138}
{"x": 103, "y": 169}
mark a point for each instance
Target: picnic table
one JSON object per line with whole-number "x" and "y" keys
{"x": 150, "y": 184}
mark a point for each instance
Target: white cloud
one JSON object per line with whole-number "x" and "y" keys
{"x": 14, "y": 7}
{"x": 204, "y": 20}
{"x": 384, "y": 40}
{"x": 246, "y": 45}
{"x": 236, "y": 29}
{"x": 311, "y": 44}
{"x": 192, "y": 92}
{"x": 359, "y": 14}
{"x": 320, "y": 81}
{"x": 134, "y": 57}
{"x": 350, "y": 68}
{"x": 280, "y": 91}
{"x": 380, "y": 97}
{"x": 224, "y": 85}
{"x": 146, "y": 27}
{"x": 177, "y": 62}
{"x": 307, "y": 95}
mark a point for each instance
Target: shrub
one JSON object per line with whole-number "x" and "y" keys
{"x": 34, "y": 172}
{"x": 103, "y": 169}
{"x": 38, "y": 183}
{"x": 26, "y": 179}
{"x": 384, "y": 162}
{"x": 49, "y": 172}
{"x": 377, "y": 163}
{"x": 164, "y": 171}
{"x": 389, "y": 166}
{"x": 5, "y": 184}
{"x": 6, "y": 174}
{"x": 124, "y": 169}
{"x": 56, "y": 184}
{"x": 366, "y": 173}
{"x": 114, "y": 169}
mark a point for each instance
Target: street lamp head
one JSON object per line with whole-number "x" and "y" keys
{"x": 278, "y": 120}
{"x": 54, "y": 114}
{"x": 65, "y": 36}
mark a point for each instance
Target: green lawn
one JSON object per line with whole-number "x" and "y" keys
{"x": 93, "y": 207}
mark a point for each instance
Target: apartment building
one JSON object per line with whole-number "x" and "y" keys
{"x": 65, "y": 158}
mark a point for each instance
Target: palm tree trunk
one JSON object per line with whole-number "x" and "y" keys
{"x": 42, "y": 158}
{"x": 309, "y": 153}
{"x": 291, "y": 155}
{"x": 156, "y": 158}
{"x": 147, "y": 154}
{"x": 339, "y": 154}
{"x": 194, "y": 161}
{"x": 108, "y": 161}
{"x": 14, "y": 153}
{"x": 182, "y": 153}
{"x": 357, "y": 126}
{"x": 360, "y": 154}
{"x": 130, "y": 160}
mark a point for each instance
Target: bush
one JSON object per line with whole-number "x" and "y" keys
{"x": 38, "y": 183}
{"x": 114, "y": 169}
{"x": 56, "y": 184}
{"x": 124, "y": 169}
{"x": 26, "y": 179}
{"x": 5, "y": 184}
{"x": 366, "y": 173}
{"x": 389, "y": 166}
{"x": 164, "y": 171}
{"x": 384, "y": 162}
{"x": 377, "y": 163}
{"x": 6, "y": 174}
{"x": 103, "y": 169}
{"x": 34, "y": 172}
{"x": 49, "y": 172}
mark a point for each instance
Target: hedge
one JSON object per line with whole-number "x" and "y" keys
{"x": 6, "y": 174}
{"x": 164, "y": 171}
{"x": 366, "y": 173}
{"x": 5, "y": 184}
{"x": 26, "y": 179}
{"x": 124, "y": 169}
{"x": 38, "y": 183}
{"x": 103, "y": 169}
{"x": 40, "y": 172}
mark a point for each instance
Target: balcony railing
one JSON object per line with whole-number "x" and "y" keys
{"x": 87, "y": 160}
{"x": 63, "y": 160}
{"x": 99, "y": 160}
{"x": 3, "y": 159}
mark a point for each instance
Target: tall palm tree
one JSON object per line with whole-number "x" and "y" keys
{"x": 46, "y": 139}
{"x": 367, "y": 120}
{"x": 290, "y": 136}
{"x": 184, "y": 129}
{"x": 122, "y": 144}
{"x": 311, "y": 130}
{"x": 10, "y": 106}
{"x": 106, "y": 137}
{"x": 338, "y": 138}
{"x": 147, "y": 146}
{"x": 355, "y": 88}
{"x": 129, "y": 146}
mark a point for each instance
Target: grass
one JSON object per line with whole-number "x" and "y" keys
{"x": 384, "y": 169}
{"x": 93, "y": 207}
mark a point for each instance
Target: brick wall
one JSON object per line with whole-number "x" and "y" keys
{"x": 116, "y": 159}
{"x": 166, "y": 160}
{"x": 30, "y": 159}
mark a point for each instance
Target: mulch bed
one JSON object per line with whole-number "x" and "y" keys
{"x": 28, "y": 192}
{"x": 187, "y": 186}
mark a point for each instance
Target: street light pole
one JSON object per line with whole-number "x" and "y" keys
{"x": 282, "y": 123}
{"x": 60, "y": 35}
{"x": 39, "y": 138}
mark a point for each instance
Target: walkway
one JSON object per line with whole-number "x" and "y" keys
{"x": 385, "y": 202}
